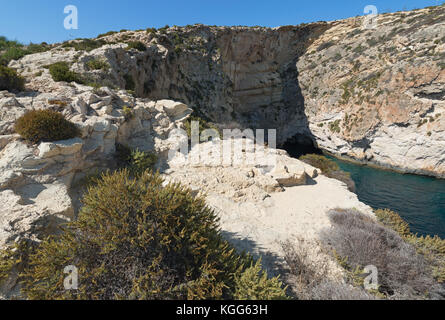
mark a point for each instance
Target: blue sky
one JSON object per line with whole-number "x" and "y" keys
{"x": 42, "y": 20}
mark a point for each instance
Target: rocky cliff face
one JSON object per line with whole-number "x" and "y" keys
{"x": 372, "y": 95}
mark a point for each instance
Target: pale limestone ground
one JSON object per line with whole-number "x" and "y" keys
{"x": 257, "y": 218}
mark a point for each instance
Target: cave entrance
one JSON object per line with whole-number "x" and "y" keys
{"x": 300, "y": 145}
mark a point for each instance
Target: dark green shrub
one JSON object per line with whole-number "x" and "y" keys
{"x": 135, "y": 239}
{"x": 129, "y": 82}
{"x": 138, "y": 45}
{"x": 109, "y": 33}
{"x": 329, "y": 168}
{"x": 84, "y": 44}
{"x": 97, "y": 64}
{"x": 60, "y": 71}
{"x": 10, "y": 80}
{"x": 253, "y": 284}
{"x": 45, "y": 125}
{"x": 135, "y": 161}
{"x": 13, "y": 50}
{"x": 203, "y": 125}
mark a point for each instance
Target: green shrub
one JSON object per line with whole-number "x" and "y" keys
{"x": 10, "y": 80}
{"x": 84, "y": 44}
{"x": 45, "y": 125}
{"x": 138, "y": 45}
{"x": 203, "y": 125}
{"x": 129, "y": 82}
{"x": 60, "y": 71}
{"x": 128, "y": 112}
{"x": 97, "y": 64}
{"x": 253, "y": 284}
{"x": 335, "y": 126}
{"x": 329, "y": 168}
{"x": 135, "y": 239}
{"x": 135, "y": 161}
{"x": 13, "y": 50}
{"x": 321, "y": 162}
{"x": 109, "y": 33}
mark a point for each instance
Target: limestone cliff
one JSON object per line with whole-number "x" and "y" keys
{"x": 372, "y": 95}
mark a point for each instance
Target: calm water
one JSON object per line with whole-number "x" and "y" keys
{"x": 419, "y": 200}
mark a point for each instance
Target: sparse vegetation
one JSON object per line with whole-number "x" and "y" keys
{"x": 432, "y": 248}
{"x": 138, "y": 45}
{"x": 84, "y": 44}
{"x": 10, "y": 80}
{"x": 203, "y": 125}
{"x": 45, "y": 125}
{"x": 335, "y": 126}
{"x": 309, "y": 278}
{"x": 109, "y": 33}
{"x": 98, "y": 64}
{"x": 13, "y": 50}
{"x": 329, "y": 168}
{"x": 358, "y": 240}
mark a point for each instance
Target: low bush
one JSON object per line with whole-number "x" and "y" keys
{"x": 109, "y": 33}
{"x": 134, "y": 160}
{"x": 432, "y": 248}
{"x": 13, "y": 50}
{"x": 359, "y": 241}
{"x": 45, "y": 125}
{"x": 203, "y": 125}
{"x": 129, "y": 82}
{"x": 10, "y": 80}
{"x": 84, "y": 44}
{"x": 138, "y": 45}
{"x": 97, "y": 64}
{"x": 253, "y": 284}
{"x": 308, "y": 277}
{"x": 60, "y": 71}
{"x": 137, "y": 239}
{"x": 329, "y": 168}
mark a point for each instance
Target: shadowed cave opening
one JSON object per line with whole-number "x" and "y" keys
{"x": 300, "y": 145}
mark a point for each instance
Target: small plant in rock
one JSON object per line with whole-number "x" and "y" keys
{"x": 45, "y": 125}
{"x": 97, "y": 64}
{"x": 134, "y": 160}
{"x": 138, "y": 45}
{"x": 128, "y": 113}
{"x": 253, "y": 284}
{"x": 10, "y": 80}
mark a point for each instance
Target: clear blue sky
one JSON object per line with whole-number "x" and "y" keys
{"x": 42, "y": 20}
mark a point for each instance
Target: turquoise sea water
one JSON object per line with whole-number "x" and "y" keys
{"x": 419, "y": 200}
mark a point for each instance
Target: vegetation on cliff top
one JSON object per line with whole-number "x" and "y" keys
{"x": 329, "y": 168}
{"x": 13, "y": 50}
{"x": 45, "y": 125}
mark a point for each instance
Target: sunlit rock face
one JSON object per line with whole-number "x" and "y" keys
{"x": 374, "y": 95}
